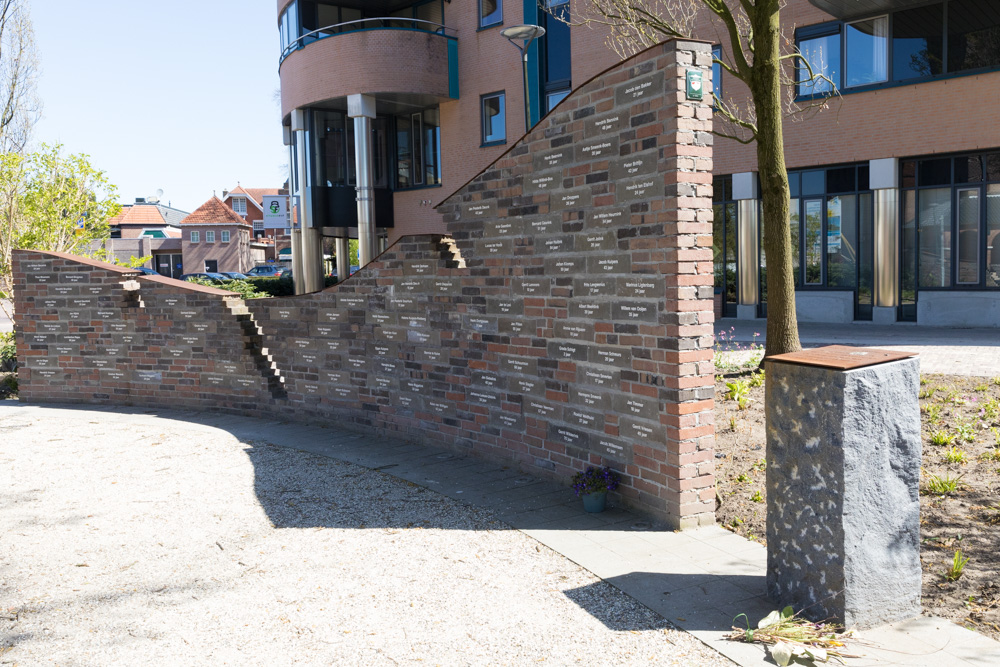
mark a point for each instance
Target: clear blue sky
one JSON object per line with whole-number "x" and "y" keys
{"x": 178, "y": 95}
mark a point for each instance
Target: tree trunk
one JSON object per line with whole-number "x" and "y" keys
{"x": 765, "y": 86}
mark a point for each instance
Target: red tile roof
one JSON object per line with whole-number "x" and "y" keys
{"x": 257, "y": 194}
{"x": 146, "y": 215}
{"x": 214, "y": 212}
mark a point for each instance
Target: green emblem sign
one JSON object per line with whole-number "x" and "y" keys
{"x": 694, "y": 87}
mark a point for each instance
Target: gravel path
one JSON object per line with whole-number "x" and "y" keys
{"x": 134, "y": 540}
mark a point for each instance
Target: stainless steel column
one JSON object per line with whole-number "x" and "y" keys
{"x": 747, "y": 245}
{"x": 362, "y": 109}
{"x": 883, "y": 178}
{"x": 887, "y": 248}
{"x": 295, "y": 233}
{"x": 748, "y": 253}
{"x": 343, "y": 258}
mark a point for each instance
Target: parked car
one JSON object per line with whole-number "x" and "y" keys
{"x": 211, "y": 277}
{"x": 148, "y": 272}
{"x": 267, "y": 271}
{"x": 234, "y": 275}
{"x": 354, "y": 268}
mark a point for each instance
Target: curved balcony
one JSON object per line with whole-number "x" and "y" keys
{"x": 843, "y": 9}
{"x": 385, "y": 57}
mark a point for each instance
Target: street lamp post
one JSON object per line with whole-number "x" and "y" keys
{"x": 526, "y": 34}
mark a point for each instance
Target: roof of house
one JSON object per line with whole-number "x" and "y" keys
{"x": 214, "y": 212}
{"x": 148, "y": 215}
{"x": 256, "y": 194}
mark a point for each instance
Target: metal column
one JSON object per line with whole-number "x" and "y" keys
{"x": 343, "y": 258}
{"x": 362, "y": 109}
{"x": 883, "y": 178}
{"x": 747, "y": 243}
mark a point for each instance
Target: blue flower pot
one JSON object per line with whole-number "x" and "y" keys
{"x": 594, "y": 502}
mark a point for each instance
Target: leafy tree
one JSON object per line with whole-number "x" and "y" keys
{"x": 51, "y": 202}
{"x": 754, "y": 57}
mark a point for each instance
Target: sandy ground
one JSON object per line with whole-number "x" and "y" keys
{"x": 135, "y": 540}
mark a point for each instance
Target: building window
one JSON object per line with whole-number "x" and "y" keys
{"x": 820, "y": 47}
{"x": 951, "y": 222}
{"x": 209, "y": 237}
{"x": 418, "y": 149}
{"x": 867, "y": 51}
{"x": 724, "y": 244}
{"x": 225, "y": 236}
{"x": 195, "y": 237}
{"x": 211, "y": 266}
{"x": 494, "y": 119}
{"x": 556, "y": 55}
{"x": 918, "y": 43}
{"x": 717, "y": 71}
{"x": 490, "y": 13}
{"x": 258, "y": 226}
{"x": 240, "y": 205}
{"x": 831, "y": 229}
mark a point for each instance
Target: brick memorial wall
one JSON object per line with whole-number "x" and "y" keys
{"x": 566, "y": 320}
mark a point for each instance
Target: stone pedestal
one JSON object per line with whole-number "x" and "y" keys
{"x": 843, "y": 469}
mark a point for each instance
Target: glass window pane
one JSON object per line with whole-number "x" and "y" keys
{"x": 556, "y": 45}
{"x": 973, "y": 35}
{"x": 793, "y": 224}
{"x": 866, "y": 246}
{"x": 867, "y": 51}
{"x": 823, "y": 56}
{"x": 968, "y": 236}
{"x": 908, "y": 173}
{"x": 907, "y": 279}
{"x": 813, "y": 182}
{"x": 793, "y": 184}
{"x": 731, "y": 294}
{"x": 719, "y": 246}
{"x": 490, "y": 12}
{"x": 404, "y": 153}
{"x": 935, "y": 172}
{"x": 814, "y": 241}
{"x": 840, "y": 180}
{"x": 968, "y": 169}
{"x": 918, "y": 42}
{"x": 494, "y": 121}
{"x": 992, "y": 161}
{"x": 841, "y": 241}
{"x": 552, "y": 99}
{"x": 416, "y": 136}
{"x": 934, "y": 223}
{"x": 993, "y": 236}
{"x": 717, "y": 72}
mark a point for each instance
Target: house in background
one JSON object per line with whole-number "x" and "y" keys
{"x": 216, "y": 238}
{"x": 147, "y": 228}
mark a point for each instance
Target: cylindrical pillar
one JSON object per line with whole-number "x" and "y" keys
{"x": 843, "y": 474}
{"x": 886, "y": 247}
{"x": 362, "y": 109}
{"x": 343, "y": 258}
{"x": 297, "y": 260}
{"x": 312, "y": 259}
{"x": 748, "y": 254}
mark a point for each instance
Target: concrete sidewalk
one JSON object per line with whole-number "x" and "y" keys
{"x": 941, "y": 350}
{"x": 698, "y": 580}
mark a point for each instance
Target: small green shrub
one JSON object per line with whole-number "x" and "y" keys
{"x": 965, "y": 431}
{"x": 955, "y": 455}
{"x": 942, "y": 486}
{"x": 992, "y": 455}
{"x": 273, "y": 286}
{"x": 8, "y": 352}
{"x": 954, "y": 573}
{"x": 942, "y": 438}
{"x": 736, "y": 389}
{"x": 927, "y": 393}
{"x": 933, "y": 412}
{"x": 757, "y": 378}
{"x": 757, "y": 497}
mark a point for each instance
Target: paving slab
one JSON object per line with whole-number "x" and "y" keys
{"x": 945, "y": 350}
{"x": 701, "y": 580}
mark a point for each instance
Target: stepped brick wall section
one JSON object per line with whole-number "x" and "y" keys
{"x": 90, "y": 332}
{"x": 565, "y": 321}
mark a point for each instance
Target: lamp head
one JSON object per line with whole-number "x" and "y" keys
{"x": 526, "y": 33}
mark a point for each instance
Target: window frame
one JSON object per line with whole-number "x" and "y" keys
{"x": 210, "y": 236}
{"x": 717, "y": 89}
{"x": 834, "y": 27}
{"x": 224, "y": 236}
{"x": 195, "y": 236}
{"x": 242, "y": 208}
{"x": 501, "y": 94}
{"x": 954, "y": 186}
{"x": 480, "y": 17}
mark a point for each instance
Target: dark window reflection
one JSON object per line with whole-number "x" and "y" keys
{"x": 917, "y": 42}
{"x": 973, "y": 34}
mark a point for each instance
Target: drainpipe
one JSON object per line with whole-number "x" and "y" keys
{"x": 362, "y": 109}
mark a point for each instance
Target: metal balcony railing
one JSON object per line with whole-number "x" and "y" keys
{"x": 379, "y": 23}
